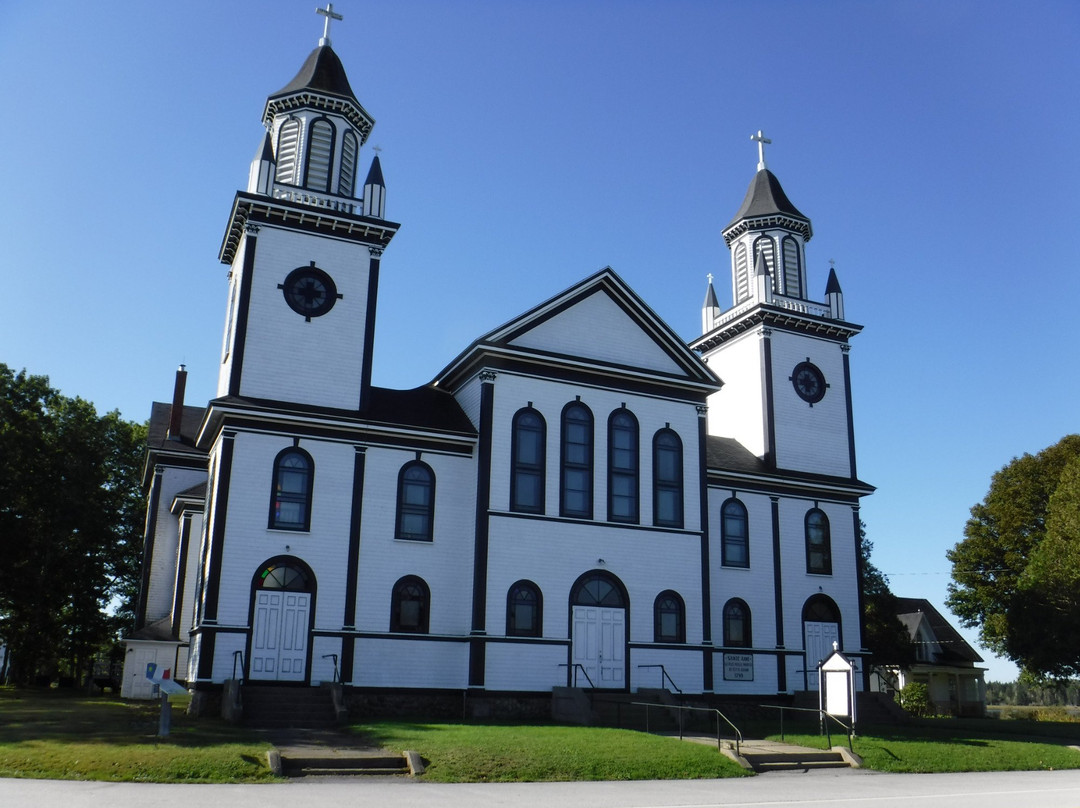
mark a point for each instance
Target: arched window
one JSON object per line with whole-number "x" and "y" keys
{"x": 792, "y": 275}
{"x": 667, "y": 479}
{"x": 820, "y": 609}
{"x": 737, "y": 632}
{"x": 735, "y": 535}
{"x": 669, "y": 618}
{"x": 598, "y": 589}
{"x": 416, "y": 502}
{"x": 742, "y": 274}
{"x": 290, "y": 498}
{"x": 818, "y": 543}
{"x": 576, "y": 461}
{"x": 524, "y": 610}
{"x": 347, "y": 180}
{"x": 622, "y": 467}
{"x": 284, "y": 576}
{"x": 320, "y": 155}
{"x": 288, "y": 143}
{"x": 409, "y": 605}
{"x": 528, "y": 445}
{"x": 763, "y": 245}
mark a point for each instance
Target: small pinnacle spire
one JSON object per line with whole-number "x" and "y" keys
{"x": 761, "y": 141}
{"x": 760, "y": 266}
{"x": 832, "y": 286}
{"x": 710, "y": 296}
{"x": 329, "y": 13}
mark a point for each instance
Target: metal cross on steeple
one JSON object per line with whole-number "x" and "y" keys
{"x": 327, "y": 12}
{"x": 761, "y": 141}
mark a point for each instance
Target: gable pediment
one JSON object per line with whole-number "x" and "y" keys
{"x": 599, "y": 322}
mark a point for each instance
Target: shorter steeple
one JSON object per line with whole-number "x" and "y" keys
{"x": 763, "y": 284}
{"x": 710, "y": 310}
{"x": 261, "y": 177}
{"x": 375, "y": 191}
{"x": 834, "y": 296}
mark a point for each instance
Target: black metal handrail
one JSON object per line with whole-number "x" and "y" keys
{"x": 663, "y": 676}
{"x": 578, "y": 666}
{"x": 719, "y": 715}
{"x": 333, "y": 657}
{"x": 234, "y": 656}
{"x": 823, "y": 724}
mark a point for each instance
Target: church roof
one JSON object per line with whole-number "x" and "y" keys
{"x": 157, "y": 433}
{"x": 954, "y": 648}
{"x": 765, "y": 200}
{"x": 427, "y": 407}
{"x": 730, "y": 455}
{"x": 321, "y": 71}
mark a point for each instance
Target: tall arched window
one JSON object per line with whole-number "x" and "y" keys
{"x": 735, "y": 535}
{"x": 667, "y": 479}
{"x": 290, "y": 497}
{"x": 410, "y": 605}
{"x": 669, "y": 618}
{"x": 320, "y": 155}
{"x": 577, "y": 461}
{"x": 742, "y": 274}
{"x": 623, "y": 467}
{"x": 288, "y": 145}
{"x": 347, "y": 180}
{"x": 818, "y": 543}
{"x": 528, "y": 452}
{"x": 792, "y": 275}
{"x": 737, "y": 632}
{"x": 524, "y": 610}
{"x": 763, "y": 245}
{"x": 416, "y": 502}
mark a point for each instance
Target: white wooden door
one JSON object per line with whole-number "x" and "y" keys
{"x": 819, "y": 644}
{"x": 279, "y": 635}
{"x": 137, "y": 686}
{"x": 599, "y": 645}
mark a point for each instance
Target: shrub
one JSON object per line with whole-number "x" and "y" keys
{"x": 915, "y": 698}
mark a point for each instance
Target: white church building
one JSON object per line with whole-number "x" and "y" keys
{"x": 579, "y": 497}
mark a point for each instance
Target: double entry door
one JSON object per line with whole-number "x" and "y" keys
{"x": 819, "y": 644}
{"x": 599, "y": 646}
{"x": 279, "y": 641}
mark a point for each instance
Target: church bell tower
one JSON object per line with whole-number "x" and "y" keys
{"x": 303, "y": 244}
{"x": 783, "y": 357}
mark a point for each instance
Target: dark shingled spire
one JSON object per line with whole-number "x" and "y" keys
{"x": 765, "y": 197}
{"x": 374, "y": 175}
{"x": 266, "y": 150}
{"x": 760, "y": 267}
{"x": 833, "y": 285}
{"x": 322, "y": 72}
{"x": 710, "y": 298}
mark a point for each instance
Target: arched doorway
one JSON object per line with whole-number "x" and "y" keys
{"x": 282, "y": 592}
{"x": 821, "y": 628}
{"x": 598, "y": 617}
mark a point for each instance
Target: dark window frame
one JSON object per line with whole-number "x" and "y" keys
{"x": 279, "y": 496}
{"x": 671, "y": 486}
{"x": 623, "y": 423}
{"x": 406, "y": 508}
{"x": 520, "y": 469}
{"x": 419, "y": 592}
{"x": 747, "y": 640}
{"x": 514, "y": 596}
{"x": 819, "y": 545}
{"x": 727, "y": 540}
{"x": 568, "y": 467}
{"x": 669, "y": 602}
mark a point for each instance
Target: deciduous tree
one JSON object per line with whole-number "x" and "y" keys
{"x": 1016, "y": 571}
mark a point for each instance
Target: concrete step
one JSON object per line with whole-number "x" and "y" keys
{"x": 273, "y": 707}
{"x": 342, "y": 764}
{"x": 795, "y": 761}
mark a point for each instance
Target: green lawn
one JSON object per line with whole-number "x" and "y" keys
{"x": 60, "y": 735}
{"x": 510, "y": 753}
{"x": 958, "y": 746}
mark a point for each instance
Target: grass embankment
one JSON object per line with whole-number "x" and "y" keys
{"x": 63, "y": 736}
{"x": 471, "y": 753}
{"x": 946, "y": 745}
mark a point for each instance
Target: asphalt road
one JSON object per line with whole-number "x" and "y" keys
{"x": 850, "y": 789}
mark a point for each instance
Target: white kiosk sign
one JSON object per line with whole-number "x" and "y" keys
{"x": 739, "y": 667}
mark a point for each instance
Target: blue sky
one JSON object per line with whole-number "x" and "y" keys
{"x": 527, "y": 144}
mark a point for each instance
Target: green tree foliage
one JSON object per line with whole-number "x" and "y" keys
{"x": 70, "y": 525}
{"x": 885, "y": 637}
{"x": 1016, "y": 573}
{"x": 915, "y": 698}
